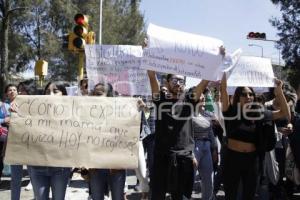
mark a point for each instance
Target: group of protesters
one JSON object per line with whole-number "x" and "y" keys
{"x": 184, "y": 134}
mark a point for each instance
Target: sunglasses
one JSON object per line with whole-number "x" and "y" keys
{"x": 177, "y": 81}
{"x": 246, "y": 94}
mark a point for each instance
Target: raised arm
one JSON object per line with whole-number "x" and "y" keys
{"x": 153, "y": 82}
{"x": 199, "y": 89}
{"x": 284, "y": 110}
{"x": 224, "y": 95}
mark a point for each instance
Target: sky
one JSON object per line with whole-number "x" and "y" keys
{"x": 227, "y": 20}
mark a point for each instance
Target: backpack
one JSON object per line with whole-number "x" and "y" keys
{"x": 266, "y": 138}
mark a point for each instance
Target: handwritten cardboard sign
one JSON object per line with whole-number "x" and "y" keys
{"x": 187, "y": 54}
{"x": 252, "y": 71}
{"x": 118, "y": 65}
{"x": 93, "y": 132}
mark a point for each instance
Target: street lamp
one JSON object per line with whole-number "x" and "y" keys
{"x": 262, "y": 49}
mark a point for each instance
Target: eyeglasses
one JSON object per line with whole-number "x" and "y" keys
{"x": 177, "y": 81}
{"x": 246, "y": 94}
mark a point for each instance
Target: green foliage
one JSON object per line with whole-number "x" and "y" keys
{"x": 289, "y": 33}
{"x": 36, "y": 31}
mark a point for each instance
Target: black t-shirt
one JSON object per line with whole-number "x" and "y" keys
{"x": 241, "y": 129}
{"x": 173, "y": 130}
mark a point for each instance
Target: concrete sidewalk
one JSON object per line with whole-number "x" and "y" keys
{"x": 77, "y": 189}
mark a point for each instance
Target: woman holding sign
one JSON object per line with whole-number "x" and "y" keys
{"x": 100, "y": 178}
{"x": 10, "y": 93}
{"x": 242, "y": 118}
{"x": 43, "y": 178}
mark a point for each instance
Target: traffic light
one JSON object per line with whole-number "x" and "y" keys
{"x": 80, "y": 35}
{"x": 80, "y": 31}
{"x": 90, "y": 38}
{"x": 41, "y": 68}
{"x": 256, "y": 36}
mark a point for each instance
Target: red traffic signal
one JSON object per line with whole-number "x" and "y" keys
{"x": 81, "y": 19}
{"x": 256, "y": 36}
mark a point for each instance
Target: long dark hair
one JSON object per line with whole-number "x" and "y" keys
{"x": 236, "y": 100}
{"x": 29, "y": 86}
{"x": 108, "y": 89}
{"x": 60, "y": 86}
{"x": 237, "y": 94}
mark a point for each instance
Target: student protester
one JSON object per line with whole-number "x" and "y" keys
{"x": 43, "y": 178}
{"x": 174, "y": 143}
{"x": 5, "y": 112}
{"x": 241, "y": 121}
{"x": 206, "y": 149}
{"x": 100, "y": 178}
{"x": 284, "y": 128}
{"x": 83, "y": 86}
{"x": 24, "y": 88}
{"x": 141, "y": 171}
{"x": 148, "y": 141}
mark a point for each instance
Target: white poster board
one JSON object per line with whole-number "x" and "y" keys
{"x": 253, "y": 72}
{"x": 186, "y": 54}
{"x": 118, "y": 65}
{"x": 92, "y": 132}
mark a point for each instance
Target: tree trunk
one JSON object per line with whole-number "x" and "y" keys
{"x": 4, "y": 47}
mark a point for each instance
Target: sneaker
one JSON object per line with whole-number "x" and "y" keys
{"x": 28, "y": 187}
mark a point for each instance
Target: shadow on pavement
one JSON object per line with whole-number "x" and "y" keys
{"x": 4, "y": 185}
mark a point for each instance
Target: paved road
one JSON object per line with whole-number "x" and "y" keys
{"x": 77, "y": 189}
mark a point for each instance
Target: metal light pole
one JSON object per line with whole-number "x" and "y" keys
{"x": 100, "y": 22}
{"x": 262, "y": 49}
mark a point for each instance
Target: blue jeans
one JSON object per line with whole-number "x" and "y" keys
{"x": 45, "y": 177}
{"x": 99, "y": 178}
{"x": 16, "y": 181}
{"x": 205, "y": 167}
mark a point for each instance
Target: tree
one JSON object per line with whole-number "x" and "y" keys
{"x": 6, "y": 12}
{"x": 36, "y": 32}
{"x": 43, "y": 26}
{"x": 289, "y": 33}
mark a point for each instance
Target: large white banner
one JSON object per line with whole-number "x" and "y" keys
{"x": 253, "y": 72}
{"x": 187, "y": 54}
{"x": 118, "y": 65}
{"x": 92, "y": 132}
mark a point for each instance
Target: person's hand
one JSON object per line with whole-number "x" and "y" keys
{"x": 141, "y": 104}
{"x": 222, "y": 50}
{"x": 145, "y": 43}
{"x": 278, "y": 87}
{"x": 7, "y": 120}
{"x": 13, "y": 107}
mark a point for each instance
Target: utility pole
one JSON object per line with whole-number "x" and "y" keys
{"x": 100, "y": 21}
